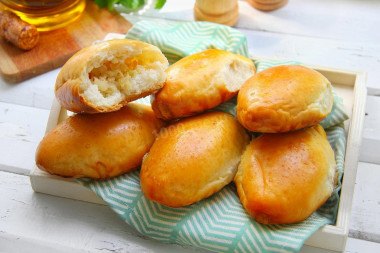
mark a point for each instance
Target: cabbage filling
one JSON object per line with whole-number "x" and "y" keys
{"x": 110, "y": 79}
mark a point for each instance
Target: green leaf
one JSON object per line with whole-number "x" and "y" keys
{"x": 101, "y": 3}
{"x": 141, "y": 3}
{"x": 111, "y": 3}
{"x": 125, "y": 3}
{"x": 132, "y": 4}
{"x": 160, "y": 4}
{"x": 128, "y": 4}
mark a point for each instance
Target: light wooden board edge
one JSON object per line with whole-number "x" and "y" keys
{"x": 337, "y": 235}
{"x": 49, "y": 184}
{"x": 334, "y": 237}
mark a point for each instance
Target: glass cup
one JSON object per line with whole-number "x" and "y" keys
{"x": 46, "y": 15}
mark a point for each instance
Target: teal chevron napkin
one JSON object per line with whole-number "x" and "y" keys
{"x": 218, "y": 223}
{"x": 179, "y": 39}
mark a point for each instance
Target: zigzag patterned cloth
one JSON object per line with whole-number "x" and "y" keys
{"x": 218, "y": 223}
{"x": 179, "y": 39}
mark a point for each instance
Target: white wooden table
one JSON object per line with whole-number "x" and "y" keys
{"x": 337, "y": 33}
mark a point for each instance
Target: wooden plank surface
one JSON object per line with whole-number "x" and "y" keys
{"x": 43, "y": 223}
{"x": 52, "y": 224}
{"x": 339, "y": 21}
{"x": 365, "y": 222}
{"x": 17, "y": 65}
{"x": 371, "y": 132}
{"x": 21, "y": 130}
{"x": 46, "y": 223}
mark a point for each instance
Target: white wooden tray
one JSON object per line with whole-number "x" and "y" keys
{"x": 349, "y": 84}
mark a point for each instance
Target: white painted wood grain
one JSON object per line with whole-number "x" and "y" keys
{"x": 53, "y": 224}
{"x": 354, "y": 20}
{"x": 21, "y": 129}
{"x": 44, "y": 222}
{"x": 20, "y": 244}
{"x": 36, "y": 92}
{"x": 358, "y": 246}
{"x": 370, "y": 151}
{"x": 337, "y": 33}
{"x": 365, "y": 216}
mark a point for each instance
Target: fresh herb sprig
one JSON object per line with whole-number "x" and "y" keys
{"x": 129, "y": 4}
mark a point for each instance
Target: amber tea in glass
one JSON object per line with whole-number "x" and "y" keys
{"x": 46, "y": 15}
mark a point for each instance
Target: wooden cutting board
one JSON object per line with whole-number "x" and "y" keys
{"x": 56, "y": 47}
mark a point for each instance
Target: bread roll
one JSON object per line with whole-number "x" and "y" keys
{"x": 99, "y": 145}
{"x": 284, "y": 178}
{"x": 192, "y": 159}
{"x": 201, "y": 81}
{"x": 105, "y": 76}
{"x": 284, "y": 98}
